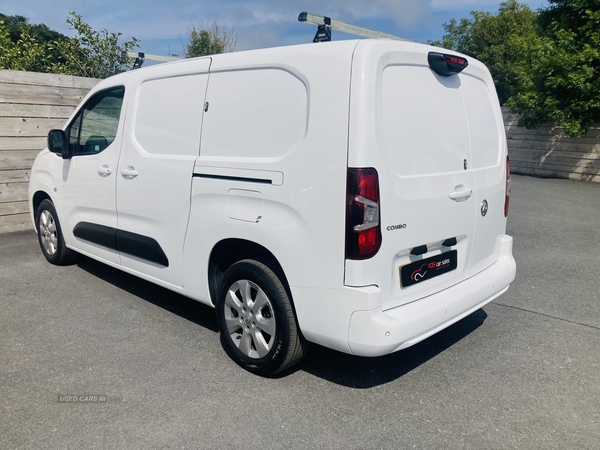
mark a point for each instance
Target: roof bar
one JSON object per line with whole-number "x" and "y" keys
{"x": 140, "y": 57}
{"x": 346, "y": 27}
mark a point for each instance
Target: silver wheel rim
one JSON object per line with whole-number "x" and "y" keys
{"x": 250, "y": 319}
{"x": 48, "y": 232}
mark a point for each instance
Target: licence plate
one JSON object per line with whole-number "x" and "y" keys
{"x": 423, "y": 270}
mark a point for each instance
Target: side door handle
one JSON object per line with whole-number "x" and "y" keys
{"x": 104, "y": 171}
{"x": 129, "y": 172}
{"x": 460, "y": 193}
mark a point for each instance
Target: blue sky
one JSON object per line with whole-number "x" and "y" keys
{"x": 161, "y": 24}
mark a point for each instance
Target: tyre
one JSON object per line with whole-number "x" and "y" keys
{"x": 256, "y": 319}
{"x": 50, "y": 236}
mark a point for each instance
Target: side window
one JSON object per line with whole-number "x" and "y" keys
{"x": 96, "y": 125}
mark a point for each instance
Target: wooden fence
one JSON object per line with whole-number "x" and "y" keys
{"x": 547, "y": 152}
{"x": 30, "y": 105}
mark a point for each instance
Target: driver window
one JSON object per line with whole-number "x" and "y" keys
{"x": 96, "y": 125}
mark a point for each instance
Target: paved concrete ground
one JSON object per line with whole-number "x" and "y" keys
{"x": 521, "y": 373}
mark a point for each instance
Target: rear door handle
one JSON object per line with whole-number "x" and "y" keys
{"x": 104, "y": 170}
{"x": 459, "y": 195}
{"x": 129, "y": 172}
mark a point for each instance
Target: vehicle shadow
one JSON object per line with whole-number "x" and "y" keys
{"x": 339, "y": 368}
{"x": 184, "y": 307}
{"x": 364, "y": 373}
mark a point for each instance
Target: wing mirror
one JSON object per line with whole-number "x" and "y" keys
{"x": 57, "y": 143}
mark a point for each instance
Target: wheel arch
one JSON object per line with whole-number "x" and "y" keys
{"x": 228, "y": 251}
{"x": 36, "y": 200}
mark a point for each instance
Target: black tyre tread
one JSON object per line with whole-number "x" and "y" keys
{"x": 298, "y": 345}
{"x": 65, "y": 256}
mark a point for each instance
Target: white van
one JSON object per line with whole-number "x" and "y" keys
{"x": 353, "y": 194}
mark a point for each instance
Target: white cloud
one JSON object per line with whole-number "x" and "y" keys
{"x": 156, "y": 18}
{"x": 403, "y": 12}
{"x": 259, "y": 23}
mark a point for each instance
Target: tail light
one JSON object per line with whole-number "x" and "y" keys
{"x": 508, "y": 187}
{"x": 363, "y": 231}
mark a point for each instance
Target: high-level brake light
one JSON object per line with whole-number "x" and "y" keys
{"x": 446, "y": 65}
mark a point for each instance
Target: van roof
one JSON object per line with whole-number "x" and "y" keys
{"x": 265, "y": 56}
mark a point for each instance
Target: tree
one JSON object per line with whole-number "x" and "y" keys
{"x": 7, "y": 47}
{"x": 560, "y": 78}
{"x": 16, "y": 24}
{"x": 494, "y": 40}
{"x": 92, "y": 53}
{"x": 209, "y": 39}
{"x": 38, "y": 49}
{"x": 27, "y": 47}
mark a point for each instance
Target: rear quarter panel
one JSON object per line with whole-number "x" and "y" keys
{"x": 300, "y": 221}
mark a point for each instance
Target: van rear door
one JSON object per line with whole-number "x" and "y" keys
{"x": 488, "y": 150}
{"x": 413, "y": 126}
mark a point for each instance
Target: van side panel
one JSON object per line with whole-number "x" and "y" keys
{"x": 275, "y": 172}
{"x": 258, "y": 114}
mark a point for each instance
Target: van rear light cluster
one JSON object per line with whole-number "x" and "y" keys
{"x": 508, "y": 188}
{"x": 363, "y": 230}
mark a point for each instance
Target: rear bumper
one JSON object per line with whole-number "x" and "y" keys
{"x": 377, "y": 332}
{"x": 351, "y": 319}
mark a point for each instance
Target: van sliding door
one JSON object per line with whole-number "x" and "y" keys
{"x": 161, "y": 143}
